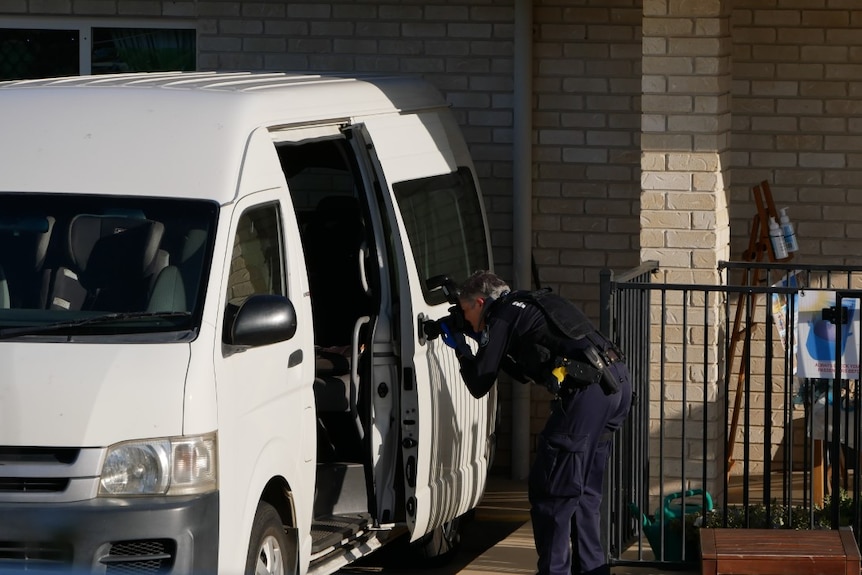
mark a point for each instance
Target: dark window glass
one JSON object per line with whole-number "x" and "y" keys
{"x": 443, "y": 217}
{"x": 28, "y": 54}
{"x": 142, "y": 50}
{"x": 70, "y": 258}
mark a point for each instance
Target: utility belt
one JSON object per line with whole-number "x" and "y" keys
{"x": 570, "y": 375}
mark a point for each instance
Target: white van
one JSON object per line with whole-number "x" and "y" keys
{"x": 212, "y": 291}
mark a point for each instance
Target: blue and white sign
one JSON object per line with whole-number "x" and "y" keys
{"x": 817, "y": 337}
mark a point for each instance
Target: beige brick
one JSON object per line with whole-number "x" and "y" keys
{"x": 814, "y": 160}
{"x": 692, "y": 162}
{"x": 824, "y": 53}
{"x": 652, "y": 161}
{"x": 655, "y": 238}
{"x": 777, "y": 17}
{"x": 801, "y": 36}
{"x": 665, "y": 220}
{"x": 654, "y": 46}
{"x": 826, "y": 18}
{"x": 702, "y": 8}
{"x": 665, "y": 181}
{"x": 708, "y": 182}
{"x": 691, "y": 239}
{"x": 139, "y": 8}
{"x": 668, "y": 258}
{"x": 666, "y": 103}
{"x": 693, "y": 123}
{"x": 655, "y": 7}
{"x": 668, "y": 26}
{"x": 694, "y": 46}
{"x": 691, "y": 201}
{"x": 94, "y": 7}
{"x": 667, "y": 142}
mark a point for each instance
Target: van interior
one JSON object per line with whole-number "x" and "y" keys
{"x": 337, "y": 236}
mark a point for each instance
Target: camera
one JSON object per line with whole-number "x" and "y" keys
{"x": 455, "y": 320}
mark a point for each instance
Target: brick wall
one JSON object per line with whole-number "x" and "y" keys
{"x": 684, "y": 223}
{"x": 464, "y": 48}
{"x": 797, "y": 102}
{"x": 587, "y": 89}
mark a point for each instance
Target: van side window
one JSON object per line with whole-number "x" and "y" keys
{"x": 443, "y": 217}
{"x": 256, "y": 264}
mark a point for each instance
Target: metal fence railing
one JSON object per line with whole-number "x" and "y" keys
{"x": 729, "y": 426}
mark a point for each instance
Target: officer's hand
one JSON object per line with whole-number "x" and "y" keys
{"x": 446, "y": 334}
{"x": 454, "y": 339}
{"x": 431, "y": 328}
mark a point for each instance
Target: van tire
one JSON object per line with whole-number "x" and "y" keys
{"x": 441, "y": 545}
{"x": 269, "y": 550}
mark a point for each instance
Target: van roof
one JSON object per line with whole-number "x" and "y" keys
{"x": 176, "y": 134}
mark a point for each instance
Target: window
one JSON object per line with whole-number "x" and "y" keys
{"x": 444, "y": 223}
{"x": 26, "y": 54}
{"x": 72, "y": 259}
{"x": 256, "y": 263}
{"x": 142, "y": 50}
{"x": 31, "y": 48}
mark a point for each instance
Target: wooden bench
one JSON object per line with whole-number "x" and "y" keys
{"x": 778, "y": 552}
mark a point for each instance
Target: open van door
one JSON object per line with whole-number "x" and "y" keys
{"x": 425, "y": 183}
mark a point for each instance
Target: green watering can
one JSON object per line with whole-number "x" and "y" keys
{"x": 673, "y": 509}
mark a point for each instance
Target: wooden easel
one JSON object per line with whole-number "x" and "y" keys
{"x": 759, "y": 247}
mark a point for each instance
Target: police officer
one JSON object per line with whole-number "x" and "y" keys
{"x": 543, "y": 338}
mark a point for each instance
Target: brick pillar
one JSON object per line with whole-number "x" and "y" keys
{"x": 686, "y": 125}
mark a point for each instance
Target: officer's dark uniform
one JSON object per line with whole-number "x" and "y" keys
{"x": 565, "y": 485}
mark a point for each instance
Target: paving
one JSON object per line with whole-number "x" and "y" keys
{"x": 499, "y": 539}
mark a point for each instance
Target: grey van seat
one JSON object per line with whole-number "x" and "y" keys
{"x": 174, "y": 286}
{"x": 22, "y": 255}
{"x": 109, "y": 257}
{"x": 191, "y": 263}
{"x": 339, "y": 429}
{"x": 169, "y": 292}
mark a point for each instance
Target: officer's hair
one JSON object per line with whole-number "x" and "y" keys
{"x": 483, "y": 283}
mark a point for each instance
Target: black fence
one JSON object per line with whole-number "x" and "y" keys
{"x": 728, "y": 427}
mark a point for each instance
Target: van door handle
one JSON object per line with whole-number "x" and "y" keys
{"x": 363, "y": 253}
{"x": 294, "y": 359}
{"x": 354, "y": 350}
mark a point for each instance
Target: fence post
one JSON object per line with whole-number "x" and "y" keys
{"x": 606, "y": 276}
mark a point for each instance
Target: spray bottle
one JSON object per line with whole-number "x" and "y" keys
{"x": 788, "y": 232}
{"x": 779, "y": 248}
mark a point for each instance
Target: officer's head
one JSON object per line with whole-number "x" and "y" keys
{"x": 477, "y": 294}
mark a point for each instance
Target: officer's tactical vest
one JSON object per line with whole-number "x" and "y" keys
{"x": 559, "y": 312}
{"x": 567, "y": 322}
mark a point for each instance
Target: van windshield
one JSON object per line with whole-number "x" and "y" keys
{"x": 102, "y": 265}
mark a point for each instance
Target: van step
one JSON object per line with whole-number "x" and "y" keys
{"x": 333, "y": 530}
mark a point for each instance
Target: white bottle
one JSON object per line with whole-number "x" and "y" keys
{"x": 787, "y": 231}
{"x": 779, "y": 248}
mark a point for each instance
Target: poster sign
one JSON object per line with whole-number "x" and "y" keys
{"x": 817, "y": 337}
{"x": 780, "y": 313}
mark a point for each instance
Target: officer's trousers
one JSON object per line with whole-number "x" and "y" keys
{"x": 565, "y": 485}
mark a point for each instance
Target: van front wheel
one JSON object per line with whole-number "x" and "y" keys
{"x": 269, "y": 552}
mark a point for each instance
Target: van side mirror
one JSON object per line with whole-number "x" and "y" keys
{"x": 261, "y": 320}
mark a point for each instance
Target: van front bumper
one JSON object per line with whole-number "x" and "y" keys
{"x": 165, "y": 535}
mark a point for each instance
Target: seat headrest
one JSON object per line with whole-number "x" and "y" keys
{"x": 25, "y": 249}
{"x": 106, "y": 247}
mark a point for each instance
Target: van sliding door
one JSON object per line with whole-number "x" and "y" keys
{"x": 438, "y": 227}
{"x": 345, "y": 255}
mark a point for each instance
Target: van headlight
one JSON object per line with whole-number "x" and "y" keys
{"x": 168, "y": 466}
